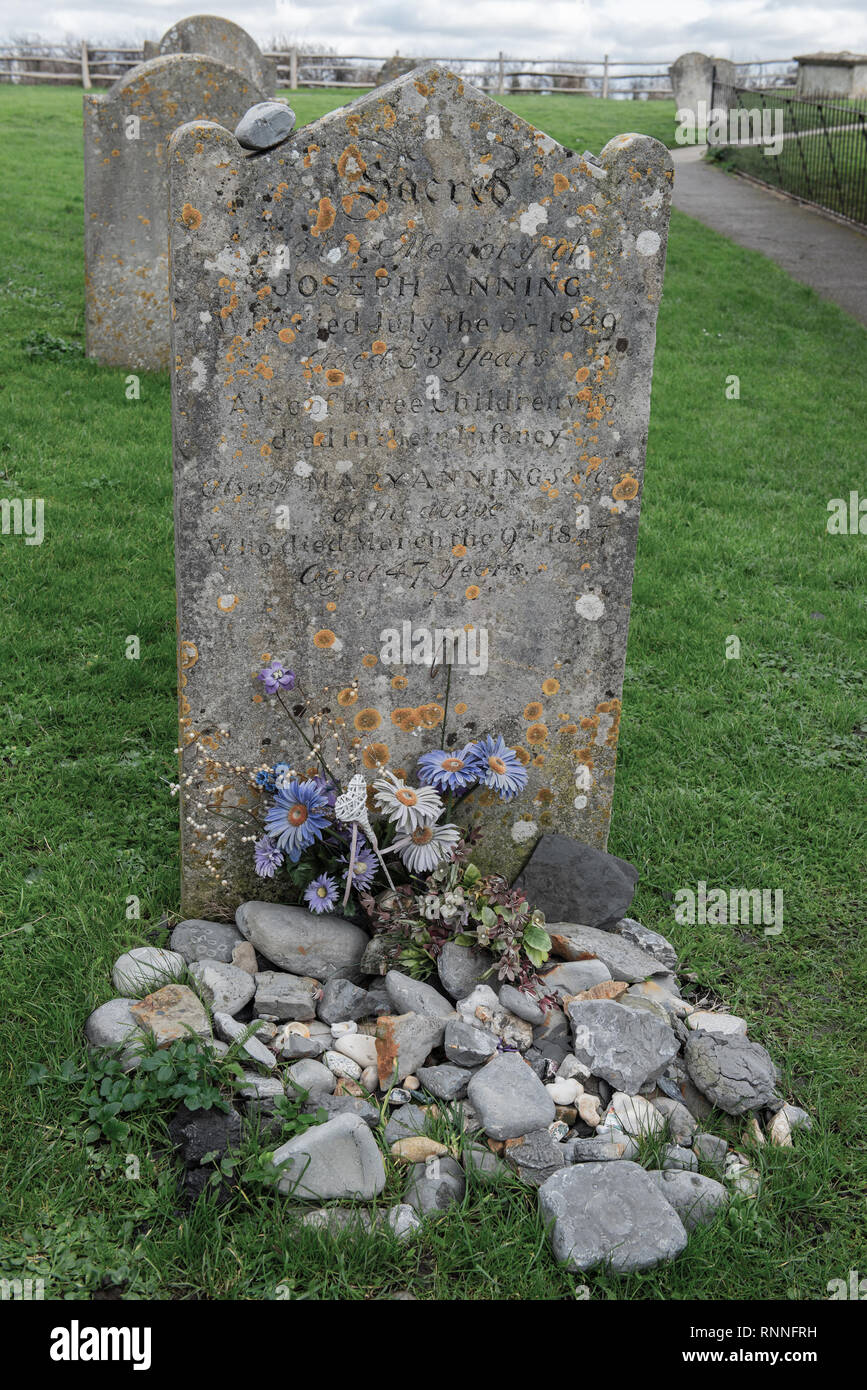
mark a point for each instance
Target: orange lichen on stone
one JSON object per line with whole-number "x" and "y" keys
{"x": 325, "y": 217}
{"x": 626, "y": 489}
{"x": 367, "y": 720}
{"x": 191, "y": 217}
{"x": 324, "y": 638}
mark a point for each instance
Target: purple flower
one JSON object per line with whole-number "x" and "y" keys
{"x": 321, "y": 895}
{"x": 267, "y": 857}
{"x": 276, "y": 677}
{"x": 297, "y": 817}
{"x": 497, "y": 767}
{"x": 447, "y": 771}
{"x": 328, "y": 789}
{"x": 363, "y": 865}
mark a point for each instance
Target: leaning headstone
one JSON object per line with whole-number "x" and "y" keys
{"x": 126, "y": 136}
{"x": 413, "y": 353}
{"x": 220, "y": 39}
{"x": 692, "y": 80}
{"x": 393, "y": 67}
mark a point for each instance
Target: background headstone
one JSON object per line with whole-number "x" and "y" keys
{"x": 221, "y": 39}
{"x": 413, "y": 348}
{"x": 393, "y": 67}
{"x": 692, "y": 79}
{"x": 126, "y": 136}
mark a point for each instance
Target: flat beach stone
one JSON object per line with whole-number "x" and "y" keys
{"x": 734, "y": 1074}
{"x": 339, "y": 1158}
{"x": 144, "y": 969}
{"x": 509, "y": 1097}
{"x": 303, "y": 943}
{"x": 222, "y": 986}
{"x": 609, "y": 1214}
{"x": 265, "y": 125}
{"x": 170, "y": 1013}
{"x": 197, "y": 939}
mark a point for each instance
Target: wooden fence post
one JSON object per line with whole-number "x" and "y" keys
{"x": 293, "y": 69}
{"x": 85, "y": 68}
{"x": 500, "y": 75}
{"x": 605, "y": 77}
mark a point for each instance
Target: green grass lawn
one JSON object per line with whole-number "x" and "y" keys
{"x": 742, "y": 773}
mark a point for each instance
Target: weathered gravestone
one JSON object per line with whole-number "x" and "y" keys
{"x": 692, "y": 80}
{"x": 413, "y": 348}
{"x": 126, "y": 136}
{"x": 221, "y": 39}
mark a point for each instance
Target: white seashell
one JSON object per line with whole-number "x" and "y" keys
{"x": 370, "y": 1078}
{"x": 339, "y": 1030}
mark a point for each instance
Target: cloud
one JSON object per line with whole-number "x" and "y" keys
{"x": 741, "y": 29}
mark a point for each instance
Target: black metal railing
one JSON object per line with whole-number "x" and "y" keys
{"x": 814, "y": 148}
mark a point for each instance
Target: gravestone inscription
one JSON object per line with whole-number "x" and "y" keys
{"x": 218, "y": 38}
{"x": 126, "y": 241}
{"x": 412, "y": 353}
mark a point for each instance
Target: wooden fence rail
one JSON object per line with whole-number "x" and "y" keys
{"x": 584, "y": 76}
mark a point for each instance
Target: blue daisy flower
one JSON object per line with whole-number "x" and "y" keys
{"x": 321, "y": 895}
{"x": 497, "y": 766}
{"x": 448, "y": 771}
{"x": 363, "y": 865}
{"x": 297, "y": 817}
{"x": 267, "y": 857}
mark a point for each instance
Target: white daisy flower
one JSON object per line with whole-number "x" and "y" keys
{"x": 406, "y": 807}
{"x": 423, "y": 848}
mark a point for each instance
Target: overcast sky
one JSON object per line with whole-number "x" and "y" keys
{"x": 651, "y": 29}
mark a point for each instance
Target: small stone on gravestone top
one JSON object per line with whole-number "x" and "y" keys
{"x": 126, "y": 136}
{"x": 413, "y": 351}
{"x": 220, "y": 39}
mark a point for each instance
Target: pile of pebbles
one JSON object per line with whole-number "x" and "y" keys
{"x": 567, "y": 1095}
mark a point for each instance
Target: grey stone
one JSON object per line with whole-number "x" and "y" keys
{"x": 461, "y": 968}
{"x": 295, "y": 1045}
{"x": 479, "y": 1159}
{"x": 623, "y": 960}
{"x": 649, "y": 941}
{"x": 468, "y": 1046}
{"x": 375, "y": 958}
{"x": 409, "y": 996}
{"x": 199, "y": 940}
{"x": 342, "y": 1105}
{"x": 476, "y": 184}
{"x": 509, "y": 1097}
{"x": 402, "y": 1221}
{"x": 200, "y": 1132}
{"x": 304, "y": 943}
{"x": 218, "y": 38}
{"x": 574, "y": 882}
{"x": 610, "y": 1214}
{"x": 696, "y": 1199}
{"x": 146, "y": 968}
{"x": 677, "y": 1157}
{"x": 434, "y": 1186}
{"x": 263, "y": 1090}
{"x": 404, "y": 1122}
{"x": 340, "y": 1158}
{"x": 445, "y": 1082}
{"x": 553, "y": 1028}
{"x": 342, "y": 1000}
{"x": 600, "y": 1150}
{"x": 310, "y": 1075}
{"x": 574, "y": 976}
{"x": 265, "y": 125}
{"x": 521, "y": 1004}
{"x": 126, "y": 137}
{"x": 711, "y": 1149}
{"x": 230, "y": 1030}
{"x": 482, "y": 1009}
{"x": 403, "y": 1043}
{"x": 534, "y": 1156}
{"x": 336, "y": 1220}
{"x": 736, "y": 1075}
{"x": 681, "y": 1124}
{"x": 625, "y": 1047}
{"x": 283, "y": 996}
{"x": 112, "y": 1026}
{"x": 222, "y": 986}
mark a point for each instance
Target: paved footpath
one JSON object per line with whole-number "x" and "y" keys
{"x": 822, "y": 253}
